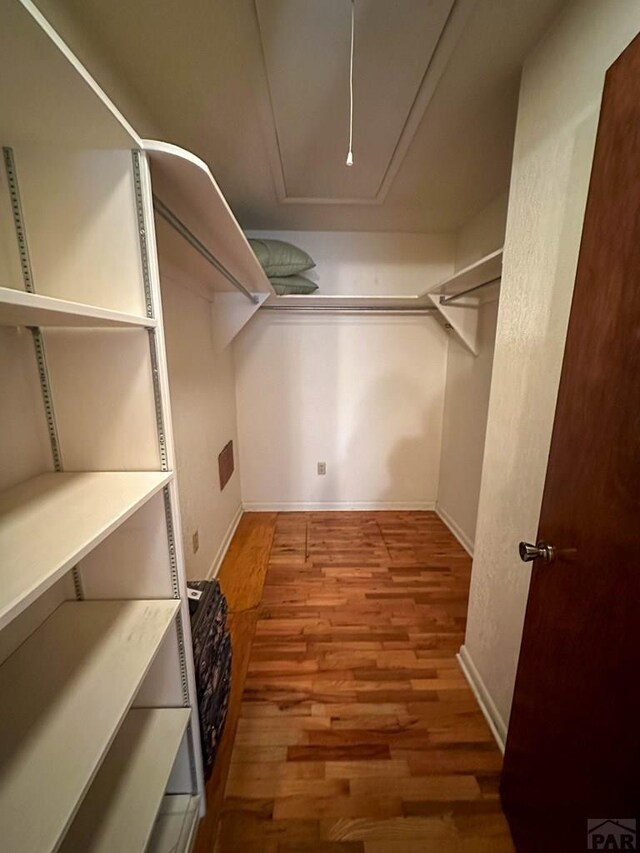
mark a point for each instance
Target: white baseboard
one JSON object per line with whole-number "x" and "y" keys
{"x": 492, "y": 715}
{"x": 346, "y": 506}
{"x": 455, "y": 528}
{"x": 224, "y": 545}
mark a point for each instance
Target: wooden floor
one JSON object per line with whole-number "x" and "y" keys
{"x": 357, "y": 731}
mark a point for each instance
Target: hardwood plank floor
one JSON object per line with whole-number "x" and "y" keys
{"x": 241, "y": 577}
{"x": 357, "y": 732}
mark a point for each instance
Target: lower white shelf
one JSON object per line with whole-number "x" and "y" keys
{"x": 48, "y": 523}
{"x": 175, "y": 829}
{"x": 120, "y": 809}
{"x": 18, "y": 308}
{"x": 65, "y": 692}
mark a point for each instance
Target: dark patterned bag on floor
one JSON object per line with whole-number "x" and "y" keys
{"x": 212, "y": 657}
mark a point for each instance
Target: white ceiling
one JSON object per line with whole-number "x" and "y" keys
{"x": 259, "y": 89}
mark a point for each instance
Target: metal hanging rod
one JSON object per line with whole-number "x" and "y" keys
{"x": 346, "y": 309}
{"x": 170, "y": 217}
{"x": 446, "y": 300}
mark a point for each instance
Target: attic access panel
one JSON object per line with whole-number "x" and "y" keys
{"x": 226, "y": 464}
{"x": 305, "y": 45}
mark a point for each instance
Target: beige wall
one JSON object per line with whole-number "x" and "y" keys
{"x": 363, "y": 394}
{"x": 467, "y": 388}
{"x": 122, "y": 92}
{"x": 464, "y": 428}
{"x": 203, "y": 410}
{"x": 482, "y": 234}
{"x": 372, "y": 262}
{"x": 557, "y": 117}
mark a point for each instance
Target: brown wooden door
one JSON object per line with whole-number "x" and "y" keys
{"x": 573, "y": 749}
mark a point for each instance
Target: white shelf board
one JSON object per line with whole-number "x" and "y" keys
{"x": 482, "y": 271}
{"x": 18, "y": 308}
{"x": 65, "y": 691}
{"x": 461, "y": 317}
{"x": 176, "y": 825}
{"x": 48, "y": 523}
{"x": 185, "y": 184}
{"x": 120, "y": 809}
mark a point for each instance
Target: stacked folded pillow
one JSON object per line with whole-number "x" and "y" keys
{"x": 283, "y": 263}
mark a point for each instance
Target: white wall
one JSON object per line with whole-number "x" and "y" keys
{"x": 467, "y": 388}
{"x": 363, "y": 394}
{"x": 203, "y": 410}
{"x": 122, "y": 92}
{"x": 483, "y": 233}
{"x": 372, "y": 262}
{"x": 464, "y": 428}
{"x": 557, "y": 117}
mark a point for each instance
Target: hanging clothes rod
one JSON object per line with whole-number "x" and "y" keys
{"x": 170, "y": 217}
{"x": 346, "y": 309}
{"x": 446, "y": 300}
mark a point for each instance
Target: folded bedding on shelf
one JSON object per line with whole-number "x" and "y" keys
{"x": 292, "y": 284}
{"x": 278, "y": 258}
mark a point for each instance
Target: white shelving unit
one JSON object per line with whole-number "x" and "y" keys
{"x": 458, "y": 298}
{"x": 98, "y": 721}
{"x": 74, "y": 513}
{"x": 468, "y": 289}
{"x": 70, "y": 684}
{"x": 189, "y": 199}
{"x": 476, "y": 275}
{"x": 18, "y": 308}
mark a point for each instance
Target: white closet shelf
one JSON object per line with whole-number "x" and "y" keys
{"x": 184, "y": 183}
{"x": 485, "y": 270}
{"x": 200, "y": 240}
{"x": 50, "y": 522}
{"x": 18, "y": 308}
{"x": 176, "y": 825}
{"x": 65, "y": 692}
{"x": 461, "y": 316}
{"x": 481, "y": 272}
{"x": 120, "y": 809}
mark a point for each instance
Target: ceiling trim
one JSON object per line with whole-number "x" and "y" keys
{"x": 445, "y": 46}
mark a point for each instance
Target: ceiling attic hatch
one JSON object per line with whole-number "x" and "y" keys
{"x": 310, "y": 72}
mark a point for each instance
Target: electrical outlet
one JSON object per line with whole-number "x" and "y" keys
{"x": 322, "y": 468}
{"x": 195, "y": 539}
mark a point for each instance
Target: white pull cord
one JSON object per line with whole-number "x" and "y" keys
{"x": 353, "y": 23}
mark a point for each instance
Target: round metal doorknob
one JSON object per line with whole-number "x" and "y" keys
{"x": 541, "y": 551}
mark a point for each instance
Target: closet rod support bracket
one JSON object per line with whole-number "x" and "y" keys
{"x": 447, "y": 300}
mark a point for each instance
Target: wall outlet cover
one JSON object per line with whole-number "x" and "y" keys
{"x": 322, "y": 468}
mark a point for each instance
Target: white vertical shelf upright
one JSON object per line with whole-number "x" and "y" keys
{"x": 96, "y": 671}
{"x": 160, "y": 378}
